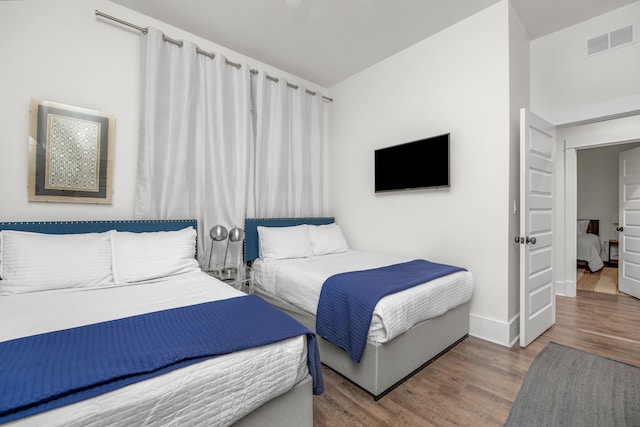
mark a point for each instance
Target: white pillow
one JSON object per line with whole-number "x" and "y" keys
{"x": 582, "y": 226}
{"x": 284, "y": 242}
{"x": 33, "y": 262}
{"x": 327, "y": 239}
{"x": 151, "y": 255}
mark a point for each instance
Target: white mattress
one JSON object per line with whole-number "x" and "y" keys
{"x": 299, "y": 282}
{"x": 218, "y": 391}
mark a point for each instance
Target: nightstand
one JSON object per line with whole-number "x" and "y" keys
{"x": 239, "y": 277}
{"x": 613, "y": 257}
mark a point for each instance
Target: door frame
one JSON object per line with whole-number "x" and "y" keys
{"x": 613, "y": 132}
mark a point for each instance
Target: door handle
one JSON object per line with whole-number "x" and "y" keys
{"x": 619, "y": 228}
{"x": 521, "y": 240}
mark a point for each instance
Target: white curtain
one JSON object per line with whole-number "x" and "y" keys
{"x": 199, "y": 156}
{"x": 196, "y": 139}
{"x": 289, "y": 150}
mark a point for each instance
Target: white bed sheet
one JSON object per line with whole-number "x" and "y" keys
{"x": 218, "y": 391}
{"x": 588, "y": 249}
{"x": 299, "y": 282}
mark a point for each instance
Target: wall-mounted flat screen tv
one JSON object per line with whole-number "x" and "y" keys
{"x": 413, "y": 165}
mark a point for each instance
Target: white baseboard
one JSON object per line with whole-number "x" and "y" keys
{"x": 508, "y": 333}
{"x": 560, "y": 288}
{"x": 566, "y": 288}
{"x": 496, "y": 331}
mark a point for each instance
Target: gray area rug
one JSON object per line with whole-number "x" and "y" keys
{"x": 569, "y": 387}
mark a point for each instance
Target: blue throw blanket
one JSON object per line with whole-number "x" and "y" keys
{"x": 46, "y": 371}
{"x": 347, "y": 300}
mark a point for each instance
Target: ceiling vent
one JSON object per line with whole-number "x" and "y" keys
{"x": 612, "y": 40}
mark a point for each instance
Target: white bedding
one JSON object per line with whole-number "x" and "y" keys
{"x": 218, "y": 391}
{"x": 588, "y": 250}
{"x": 299, "y": 282}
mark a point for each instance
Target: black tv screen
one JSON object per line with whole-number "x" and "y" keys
{"x": 413, "y": 165}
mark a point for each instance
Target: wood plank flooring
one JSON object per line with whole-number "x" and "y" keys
{"x": 476, "y": 382}
{"x": 605, "y": 280}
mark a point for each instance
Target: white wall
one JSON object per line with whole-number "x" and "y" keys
{"x": 58, "y": 50}
{"x": 568, "y": 86}
{"x": 455, "y": 81}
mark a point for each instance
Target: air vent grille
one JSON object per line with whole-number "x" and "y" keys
{"x": 621, "y": 37}
{"x": 598, "y": 44}
{"x": 614, "y": 39}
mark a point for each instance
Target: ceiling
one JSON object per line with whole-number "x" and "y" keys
{"x": 326, "y": 41}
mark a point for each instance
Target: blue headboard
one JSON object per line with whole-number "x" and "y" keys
{"x": 75, "y": 227}
{"x": 251, "y": 241}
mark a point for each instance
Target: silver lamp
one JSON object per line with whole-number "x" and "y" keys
{"x": 218, "y": 233}
{"x": 235, "y": 235}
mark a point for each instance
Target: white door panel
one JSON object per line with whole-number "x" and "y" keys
{"x": 539, "y": 262}
{"x": 629, "y": 238}
{"x": 539, "y": 299}
{"x": 537, "y": 296}
{"x": 632, "y": 246}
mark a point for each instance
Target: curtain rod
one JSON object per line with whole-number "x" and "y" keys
{"x": 211, "y": 55}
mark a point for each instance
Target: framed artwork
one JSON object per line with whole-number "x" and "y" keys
{"x": 70, "y": 153}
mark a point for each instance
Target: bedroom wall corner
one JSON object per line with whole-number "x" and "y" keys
{"x": 60, "y": 51}
{"x": 568, "y": 86}
{"x": 564, "y": 205}
{"x": 456, "y": 81}
{"x": 519, "y": 97}
{"x": 505, "y": 333}
{"x": 57, "y": 51}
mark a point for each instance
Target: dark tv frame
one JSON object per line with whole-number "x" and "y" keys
{"x": 405, "y": 145}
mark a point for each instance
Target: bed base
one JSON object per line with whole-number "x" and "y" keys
{"x": 385, "y": 366}
{"x": 294, "y": 408}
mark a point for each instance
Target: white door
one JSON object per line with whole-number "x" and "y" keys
{"x": 629, "y": 227}
{"x": 537, "y": 295}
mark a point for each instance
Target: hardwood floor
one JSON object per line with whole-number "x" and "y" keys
{"x": 605, "y": 280}
{"x": 476, "y": 382}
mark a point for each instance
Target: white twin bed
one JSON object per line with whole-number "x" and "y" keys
{"x": 265, "y": 385}
{"x": 299, "y": 282}
{"x": 588, "y": 244}
{"x": 408, "y": 329}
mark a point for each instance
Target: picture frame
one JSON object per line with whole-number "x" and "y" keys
{"x": 70, "y": 153}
